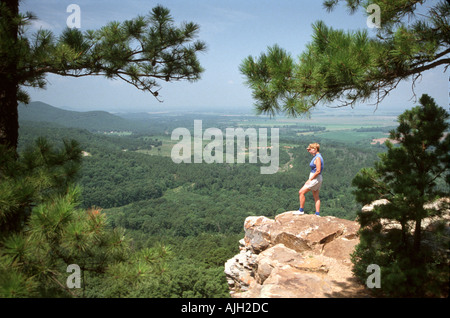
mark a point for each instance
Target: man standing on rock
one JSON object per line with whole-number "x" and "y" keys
{"x": 315, "y": 179}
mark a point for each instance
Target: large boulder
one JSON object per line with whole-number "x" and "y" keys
{"x": 295, "y": 256}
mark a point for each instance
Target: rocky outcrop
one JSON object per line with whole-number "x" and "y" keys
{"x": 309, "y": 256}
{"x": 295, "y": 256}
{"x": 429, "y": 224}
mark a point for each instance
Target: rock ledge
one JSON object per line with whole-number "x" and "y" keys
{"x": 295, "y": 256}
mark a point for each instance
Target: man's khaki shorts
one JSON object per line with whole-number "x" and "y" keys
{"x": 315, "y": 184}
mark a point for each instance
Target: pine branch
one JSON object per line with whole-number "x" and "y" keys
{"x": 350, "y": 67}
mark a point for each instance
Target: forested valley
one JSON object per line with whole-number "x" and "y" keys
{"x": 198, "y": 210}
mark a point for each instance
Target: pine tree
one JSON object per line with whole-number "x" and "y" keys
{"x": 409, "y": 175}
{"x": 350, "y": 67}
{"x": 143, "y": 52}
{"x": 43, "y": 230}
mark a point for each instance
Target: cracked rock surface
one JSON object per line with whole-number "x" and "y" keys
{"x": 295, "y": 256}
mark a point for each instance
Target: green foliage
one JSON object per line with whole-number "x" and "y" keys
{"x": 132, "y": 276}
{"x": 143, "y": 52}
{"x": 407, "y": 177}
{"x": 269, "y": 77}
{"x": 140, "y": 51}
{"x": 351, "y": 67}
{"x": 403, "y": 274}
{"x": 40, "y": 172}
{"x": 43, "y": 230}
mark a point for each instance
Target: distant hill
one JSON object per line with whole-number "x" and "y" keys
{"x": 91, "y": 120}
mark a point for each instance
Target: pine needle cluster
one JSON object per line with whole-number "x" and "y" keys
{"x": 342, "y": 68}
{"x": 43, "y": 231}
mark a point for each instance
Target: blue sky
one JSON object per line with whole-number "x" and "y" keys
{"x": 232, "y": 30}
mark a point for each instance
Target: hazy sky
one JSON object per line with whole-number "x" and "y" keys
{"x": 232, "y": 30}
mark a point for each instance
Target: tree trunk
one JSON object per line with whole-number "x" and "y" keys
{"x": 9, "y": 84}
{"x": 9, "y": 119}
